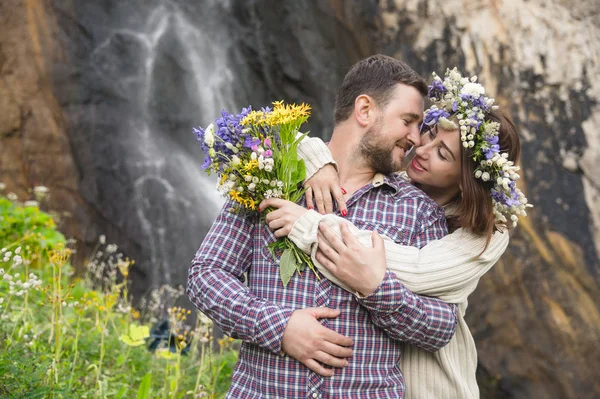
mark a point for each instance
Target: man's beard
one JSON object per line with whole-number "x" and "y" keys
{"x": 377, "y": 155}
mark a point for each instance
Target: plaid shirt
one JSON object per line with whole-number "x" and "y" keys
{"x": 258, "y": 313}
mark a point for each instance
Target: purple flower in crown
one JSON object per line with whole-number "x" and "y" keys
{"x": 491, "y": 147}
{"x": 474, "y": 100}
{"x": 437, "y": 89}
{"x": 433, "y": 115}
{"x": 491, "y": 151}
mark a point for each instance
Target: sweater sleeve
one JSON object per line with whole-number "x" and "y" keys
{"x": 449, "y": 268}
{"x": 315, "y": 154}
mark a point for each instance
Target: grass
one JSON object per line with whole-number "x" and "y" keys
{"x": 63, "y": 336}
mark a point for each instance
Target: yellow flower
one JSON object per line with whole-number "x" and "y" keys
{"x": 224, "y": 177}
{"x": 165, "y": 354}
{"x": 250, "y": 203}
{"x": 123, "y": 266}
{"x": 254, "y": 118}
{"x": 235, "y": 196}
{"x": 290, "y": 113}
{"x": 251, "y": 165}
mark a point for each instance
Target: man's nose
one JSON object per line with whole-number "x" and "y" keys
{"x": 414, "y": 135}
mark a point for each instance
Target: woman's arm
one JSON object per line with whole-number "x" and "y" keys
{"x": 322, "y": 183}
{"x": 315, "y": 154}
{"x": 449, "y": 268}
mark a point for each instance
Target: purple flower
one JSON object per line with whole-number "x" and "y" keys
{"x": 433, "y": 115}
{"x": 436, "y": 89}
{"x": 475, "y": 101}
{"x": 267, "y": 142}
{"x": 492, "y": 139}
{"x": 268, "y": 153}
{"x": 491, "y": 151}
{"x": 254, "y": 148}
{"x": 207, "y": 162}
{"x": 251, "y": 142}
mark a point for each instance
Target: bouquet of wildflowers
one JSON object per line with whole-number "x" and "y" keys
{"x": 254, "y": 155}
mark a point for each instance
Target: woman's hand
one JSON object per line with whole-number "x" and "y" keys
{"x": 282, "y": 219}
{"x": 323, "y": 188}
{"x": 361, "y": 268}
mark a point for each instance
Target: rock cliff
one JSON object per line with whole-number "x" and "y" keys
{"x": 97, "y": 101}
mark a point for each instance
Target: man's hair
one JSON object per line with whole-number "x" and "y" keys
{"x": 376, "y": 76}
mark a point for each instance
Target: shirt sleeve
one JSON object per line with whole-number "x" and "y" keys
{"x": 315, "y": 154}
{"x": 215, "y": 284}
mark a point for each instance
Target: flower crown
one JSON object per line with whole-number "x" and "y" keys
{"x": 460, "y": 104}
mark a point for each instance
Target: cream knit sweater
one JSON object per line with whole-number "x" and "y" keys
{"x": 448, "y": 269}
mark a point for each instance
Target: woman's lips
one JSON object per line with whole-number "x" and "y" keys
{"x": 417, "y": 166}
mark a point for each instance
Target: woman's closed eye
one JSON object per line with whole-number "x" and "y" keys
{"x": 441, "y": 153}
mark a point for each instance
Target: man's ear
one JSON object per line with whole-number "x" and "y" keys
{"x": 363, "y": 109}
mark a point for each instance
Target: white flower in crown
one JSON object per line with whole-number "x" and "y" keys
{"x": 473, "y": 89}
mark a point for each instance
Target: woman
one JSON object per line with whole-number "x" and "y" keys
{"x": 466, "y": 164}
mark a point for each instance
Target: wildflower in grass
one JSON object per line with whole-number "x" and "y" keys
{"x": 40, "y": 192}
{"x": 254, "y": 154}
{"x": 136, "y": 335}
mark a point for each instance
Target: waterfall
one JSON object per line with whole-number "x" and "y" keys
{"x": 158, "y": 77}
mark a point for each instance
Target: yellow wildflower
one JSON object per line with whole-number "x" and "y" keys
{"x": 224, "y": 178}
{"x": 250, "y": 203}
{"x": 287, "y": 113}
{"x": 235, "y": 196}
{"x": 254, "y": 118}
{"x": 251, "y": 165}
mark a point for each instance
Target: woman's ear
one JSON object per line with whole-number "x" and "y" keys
{"x": 363, "y": 109}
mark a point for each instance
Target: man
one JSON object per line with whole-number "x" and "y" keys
{"x": 378, "y": 111}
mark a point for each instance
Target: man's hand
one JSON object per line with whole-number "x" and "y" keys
{"x": 309, "y": 342}
{"x": 323, "y": 188}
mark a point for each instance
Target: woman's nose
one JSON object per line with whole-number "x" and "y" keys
{"x": 422, "y": 151}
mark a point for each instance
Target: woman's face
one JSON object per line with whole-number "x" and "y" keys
{"x": 436, "y": 167}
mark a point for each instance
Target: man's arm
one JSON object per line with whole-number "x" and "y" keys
{"x": 428, "y": 323}
{"x": 425, "y": 322}
{"x": 215, "y": 284}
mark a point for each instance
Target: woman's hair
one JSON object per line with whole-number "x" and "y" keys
{"x": 474, "y": 204}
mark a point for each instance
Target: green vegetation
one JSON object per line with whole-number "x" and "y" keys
{"x": 68, "y": 337}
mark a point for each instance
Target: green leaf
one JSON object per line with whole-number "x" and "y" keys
{"x": 121, "y": 393}
{"x": 144, "y": 389}
{"x": 137, "y": 335}
{"x": 121, "y": 359}
{"x": 287, "y": 266}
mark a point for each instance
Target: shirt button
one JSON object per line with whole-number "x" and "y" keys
{"x": 315, "y": 395}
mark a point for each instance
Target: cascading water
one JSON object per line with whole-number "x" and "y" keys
{"x": 138, "y": 75}
{"x": 150, "y": 80}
